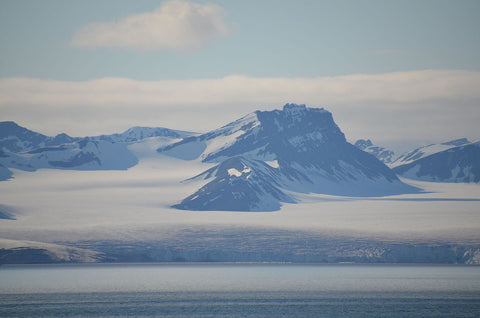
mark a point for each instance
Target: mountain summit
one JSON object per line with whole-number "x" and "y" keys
{"x": 267, "y": 156}
{"x": 384, "y": 155}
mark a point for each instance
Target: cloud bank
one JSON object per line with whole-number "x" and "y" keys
{"x": 177, "y": 24}
{"x": 415, "y": 106}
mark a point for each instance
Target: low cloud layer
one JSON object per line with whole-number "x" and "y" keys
{"x": 390, "y": 108}
{"x": 177, "y": 25}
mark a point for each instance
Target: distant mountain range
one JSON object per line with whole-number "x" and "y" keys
{"x": 452, "y": 161}
{"x": 457, "y": 164}
{"x": 260, "y": 160}
{"x": 24, "y": 149}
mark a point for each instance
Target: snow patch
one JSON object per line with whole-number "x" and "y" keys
{"x": 273, "y": 164}
{"x": 234, "y": 172}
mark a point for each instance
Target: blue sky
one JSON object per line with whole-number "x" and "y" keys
{"x": 267, "y": 38}
{"x": 57, "y": 43}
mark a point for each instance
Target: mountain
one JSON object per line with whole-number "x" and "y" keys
{"x": 456, "y": 164}
{"x": 21, "y": 148}
{"x": 450, "y": 161}
{"x": 384, "y": 155}
{"x": 267, "y": 154}
{"x": 84, "y": 154}
{"x": 425, "y": 151}
{"x": 238, "y": 184}
{"x": 139, "y": 133}
{"x": 14, "y": 138}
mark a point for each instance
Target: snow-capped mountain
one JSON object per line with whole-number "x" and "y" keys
{"x": 238, "y": 184}
{"x": 456, "y": 164}
{"x": 428, "y": 150}
{"x": 85, "y": 154}
{"x": 295, "y": 149}
{"x": 14, "y": 138}
{"x": 383, "y": 154}
{"x": 444, "y": 162}
{"x": 139, "y": 133}
{"x": 24, "y": 149}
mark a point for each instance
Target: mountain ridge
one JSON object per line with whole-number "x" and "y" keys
{"x": 424, "y": 151}
{"x": 24, "y": 149}
{"x": 455, "y": 164}
{"x": 383, "y": 154}
{"x": 309, "y": 151}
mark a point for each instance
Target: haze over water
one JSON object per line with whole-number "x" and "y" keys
{"x": 240, "y": 290}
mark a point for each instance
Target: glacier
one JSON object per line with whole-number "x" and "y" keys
{"x": 87, "y": 213}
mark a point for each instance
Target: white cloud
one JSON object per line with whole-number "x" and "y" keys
{"x": 176, "y": 24}
{"x": 415, "y": 106}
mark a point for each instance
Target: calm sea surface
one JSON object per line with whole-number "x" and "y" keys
{"x": 239, "y": 290}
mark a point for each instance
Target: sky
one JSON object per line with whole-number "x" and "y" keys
{"x": 402, "y": 73}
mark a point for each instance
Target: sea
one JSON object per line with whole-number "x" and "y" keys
{"x": 239, "y": 290}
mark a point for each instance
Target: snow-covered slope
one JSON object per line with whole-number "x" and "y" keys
{"x": 457, "y": 164}
{"x": 383, "y": 154}
{"x": 139, "y": 133}
{"x": 425, "y": 151}
{"x": 238, "y": 184}
{"x": 85, "y": 154}
{"x": 126, "y": 215}
{"x": 27, "y": 150}
{"x": 296, "y": 149}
